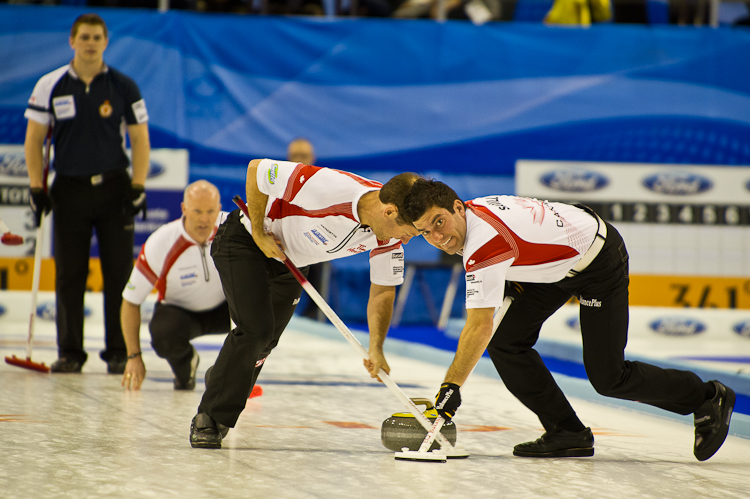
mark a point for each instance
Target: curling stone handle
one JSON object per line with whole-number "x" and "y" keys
{"x": 423, "y": 401}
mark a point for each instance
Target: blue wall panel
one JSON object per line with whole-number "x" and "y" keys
{"x": 378, "y": 94}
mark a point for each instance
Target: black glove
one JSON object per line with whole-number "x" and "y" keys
{"x": 137, "y": 201}
{"x": 448, "y": 399}
{"x": 40, "y": 202}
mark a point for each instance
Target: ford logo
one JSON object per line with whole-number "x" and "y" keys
{"x": 13, "y": 165}
{"x": 48, "y": 311}
{"x": 155, "y": 169}
{"x": 2, "y": 310}
{"x": 573, "y": 323}
{"x": 742, "y": 328}
{"x": 574, "y": 180}
{"x": 677, "y": 326}
{"x": 677, "y": 184}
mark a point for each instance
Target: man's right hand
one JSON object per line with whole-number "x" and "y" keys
{"x": 270, "y": 245}
{"x": 40, "y": 202}
{"x": 135, "y": 373}
{"x": 375, "y": 363}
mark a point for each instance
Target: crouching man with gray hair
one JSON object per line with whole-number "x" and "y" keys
{"x": 176, "y": 261}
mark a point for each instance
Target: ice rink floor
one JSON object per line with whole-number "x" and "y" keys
{"x": 315, "y": 433}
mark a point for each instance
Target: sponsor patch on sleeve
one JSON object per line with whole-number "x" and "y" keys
{"x": 474, "y": 287}
{"x": 397, "y": 264}
{"x": 139, "y": 110}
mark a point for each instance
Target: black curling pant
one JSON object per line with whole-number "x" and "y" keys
{"x": 262, "y": 295}
{"x": 79, "y": 208}
{"x": 173, "y": 327}
{"x": 603, "y": 290}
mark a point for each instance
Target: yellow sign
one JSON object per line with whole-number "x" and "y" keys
{"x": 689, "y": 291}
{"x": 17, "y": 274}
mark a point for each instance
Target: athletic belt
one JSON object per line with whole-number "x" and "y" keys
{"x": 97, "y": 179}
{"x": 593, "y": 251}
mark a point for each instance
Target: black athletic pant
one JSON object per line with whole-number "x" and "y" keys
{"x": 603, "y": 289}
{"x": 262, "y": 295}
{"x": 79, "y": 208}
{"x": 173, "y": 327}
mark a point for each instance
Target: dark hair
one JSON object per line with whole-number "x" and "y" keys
{"x": 425, "y": 194}
{"x": 90, "y": 18}
{"x": 395, "y": 190}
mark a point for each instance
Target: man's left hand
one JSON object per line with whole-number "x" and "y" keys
{"x": 448, "y": 400}
{"x": 137, "y": 201}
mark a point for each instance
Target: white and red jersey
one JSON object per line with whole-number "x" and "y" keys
{"x": 181, "y": 270}
{"x": 520, "y": 239}
{"x": 313, "y": 211}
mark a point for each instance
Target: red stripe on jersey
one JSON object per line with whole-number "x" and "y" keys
{"x": 384, "y": 249}
{"x": 142, "y": 265}
{"x": 281, "y": 209}
{"x": 364, "y": 181}
{"x": 300, "y": 175}
{"x": 509, "y": 245}
{"x": 178, "y": 248}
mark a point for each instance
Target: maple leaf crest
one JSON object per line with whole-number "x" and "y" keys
{"x": 536, "y": 207}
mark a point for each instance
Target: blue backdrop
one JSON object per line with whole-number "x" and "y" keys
{"x": 379, "y": 94}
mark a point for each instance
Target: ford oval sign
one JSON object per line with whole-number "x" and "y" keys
{"x": 2, "y": 310}
{"x": 742, "y": 328}
{"x": 677, "y": 326}
{"x": 574, "y": 180}
{"x": 155, "y": 169}
{"x": 13, "y": 164}
{"x": 677, "y": 184}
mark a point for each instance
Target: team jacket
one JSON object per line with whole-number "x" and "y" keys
{"x": 520, "y": 239}
{"x": 181, "y": 270}
{"x": 89, "y": 121}
{"x": 313, "y": 211}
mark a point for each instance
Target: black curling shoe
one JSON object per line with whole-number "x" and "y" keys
{"x": 205, "y": 433}
{"x": 712, "y": 422}
{"x": 558, "y": 443}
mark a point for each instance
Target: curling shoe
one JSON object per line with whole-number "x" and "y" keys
{"x": 189, "y": 384}
{"x": 558, "y": 443}
{"x": 205, "y": 433}
{"x": 64, "y": 365}
{"x": 712, "y": 422}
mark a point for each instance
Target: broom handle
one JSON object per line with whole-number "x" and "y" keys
{"x": 38, "y": 249}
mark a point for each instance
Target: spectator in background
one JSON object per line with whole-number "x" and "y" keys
{"x": 578, "y": 12}
{"x": 86, "y": 104}
{"x": 176, "y": 261}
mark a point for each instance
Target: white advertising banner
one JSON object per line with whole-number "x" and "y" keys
{"x": 643, "y": 193}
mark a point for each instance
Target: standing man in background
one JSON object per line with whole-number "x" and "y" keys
{"x": 300, "y": 150}
{"x": 89, "y": 106}
{"x": 176, "y": 260}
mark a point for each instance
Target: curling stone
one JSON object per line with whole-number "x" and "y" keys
{"x": 403, "y": 430}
